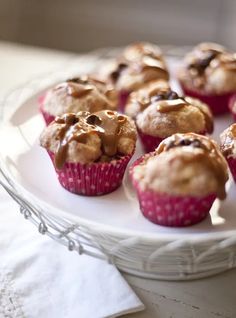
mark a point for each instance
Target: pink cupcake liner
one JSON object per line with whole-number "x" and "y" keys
{"x": 92, "y": 179}
{"x": 169, "y": 210}
{"x": 48, "y": 118}
{"x": 150, "y": 143}
{"x": 231, "y": 103}
{"x": 219, "y": 104}
{"x": 232, "y": 166}
{"x": 123, "y": 97}
{"x": 175, "y": 211}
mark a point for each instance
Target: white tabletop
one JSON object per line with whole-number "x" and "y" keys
{"x": 213, "y": 297}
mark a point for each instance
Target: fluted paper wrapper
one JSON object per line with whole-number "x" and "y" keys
{"x": 149, "y": 143}
{"x": 219, "y": 104}
{"x": 92, "y": 179}
{"x": 171, "y": 210}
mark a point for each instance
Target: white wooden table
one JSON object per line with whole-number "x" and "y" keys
{"x": 213, "y": 297}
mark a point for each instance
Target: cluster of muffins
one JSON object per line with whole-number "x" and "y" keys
{"x": 93, "y": 122}
{"x": 137, "y": 65}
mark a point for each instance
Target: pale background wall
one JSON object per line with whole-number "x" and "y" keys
{"x": 84, "y": 25}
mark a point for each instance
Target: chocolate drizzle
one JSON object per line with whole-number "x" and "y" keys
{"x": 78, "y": 87}
{"x": 137, "y": 50}
{"x": 116, "y": 73}
{"x": 185, "y": 141}
{"x": 208, "y": 154}
{"x": 141, "y": 58}
{"x": 75, "y": 89}
{"x": 165, "y": 95}
{"x": 201, "y": 63}
{"x": 153, "y": 63}
{"x": 77, "y": 127}
{"x": 228, "y": 61}
{"x": 206, "y": 113}
{"x": 168, "y": 100}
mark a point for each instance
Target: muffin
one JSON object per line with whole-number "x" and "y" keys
{"x": 228, "y": 147}
{"x": 90, "y": 152}
{"x": 141, "y": 98}
{"x": 78, "y": 94}
{"x": 209, "y": 73}
{"x": 139, "y": 63}
{"x": 160, "y": 112}
{"x": 232, "y": 106}
{"x": 178, "y": 182}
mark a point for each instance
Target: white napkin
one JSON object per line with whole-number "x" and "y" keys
{"x": 40, "y": 278}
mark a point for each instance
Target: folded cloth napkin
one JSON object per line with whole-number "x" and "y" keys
{"x": 40, "y": 278}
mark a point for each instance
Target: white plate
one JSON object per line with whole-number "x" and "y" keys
{"x": 118, "y": 213}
